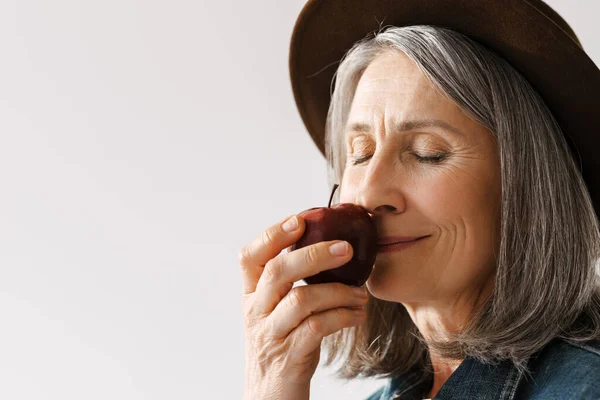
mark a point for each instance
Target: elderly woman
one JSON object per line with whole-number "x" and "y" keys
{"x": 467, "y": 127}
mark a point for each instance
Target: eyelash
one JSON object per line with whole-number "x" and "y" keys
{"x": 435, "y": 159}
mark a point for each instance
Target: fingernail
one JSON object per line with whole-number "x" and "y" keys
{"x": 291, "y": 224}
{"x": 339, "y": 248}
{"x": 360, "y": 291}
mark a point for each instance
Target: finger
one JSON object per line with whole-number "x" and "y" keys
{"x": 303, "y": 301}
{"x": 282, "y": 271}
{"x": 253, "y": 257}
{"x": 310, "y": 333}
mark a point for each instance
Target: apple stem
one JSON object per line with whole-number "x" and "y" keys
{"x": 335, "y": 186}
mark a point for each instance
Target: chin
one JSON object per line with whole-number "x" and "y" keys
{"x": 390, "y": 287}
{"x": 381, "y": 285}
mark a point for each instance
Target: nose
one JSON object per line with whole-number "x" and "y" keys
{"x": 380, "y": 191}
{"x": 381, "y": 210}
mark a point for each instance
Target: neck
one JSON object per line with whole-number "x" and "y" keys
{"x": 436, "y": 319}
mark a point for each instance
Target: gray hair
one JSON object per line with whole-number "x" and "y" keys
{"x": 546, "y": 283}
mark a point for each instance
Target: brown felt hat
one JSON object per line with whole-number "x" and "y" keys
{"x": 527, "y": 33}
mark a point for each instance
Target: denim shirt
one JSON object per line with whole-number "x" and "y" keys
{"x": 562, "y": 370}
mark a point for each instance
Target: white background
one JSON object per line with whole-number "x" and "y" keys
{"x": 142, "y": 144}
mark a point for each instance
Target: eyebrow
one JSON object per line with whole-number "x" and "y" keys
{"x": 404, "y": 126}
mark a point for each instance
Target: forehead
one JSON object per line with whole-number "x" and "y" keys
{"x": 393, "y": 89}
{"x": 393, "y": 68}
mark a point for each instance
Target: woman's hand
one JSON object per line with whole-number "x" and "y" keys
{"x": 285, "y": 326}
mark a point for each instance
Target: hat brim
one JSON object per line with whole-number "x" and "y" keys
{"x": 523, "y": 32}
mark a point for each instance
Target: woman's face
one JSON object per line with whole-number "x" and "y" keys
{"x": 397, "y": 119}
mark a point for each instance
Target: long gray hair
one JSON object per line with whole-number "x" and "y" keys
{"x": 546, "y": 283}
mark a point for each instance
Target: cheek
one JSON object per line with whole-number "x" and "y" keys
{"x": 348, "y": 187}
{"x": 461, "y": 191}
{"x": 439, "y": 199}
{"x": 468, "y": 207}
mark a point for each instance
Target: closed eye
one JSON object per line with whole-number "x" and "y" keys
{"x": 434, "y": 159}
{"x": 360, "y": 160}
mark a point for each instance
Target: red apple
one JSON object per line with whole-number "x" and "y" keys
{"x": 349, "y": 222}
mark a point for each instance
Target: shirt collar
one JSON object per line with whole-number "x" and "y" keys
{"x": 471, "y": 380}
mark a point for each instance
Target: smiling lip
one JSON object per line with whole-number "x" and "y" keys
{"x": 398, "y": 245}
{"x": 386, "y": 240}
